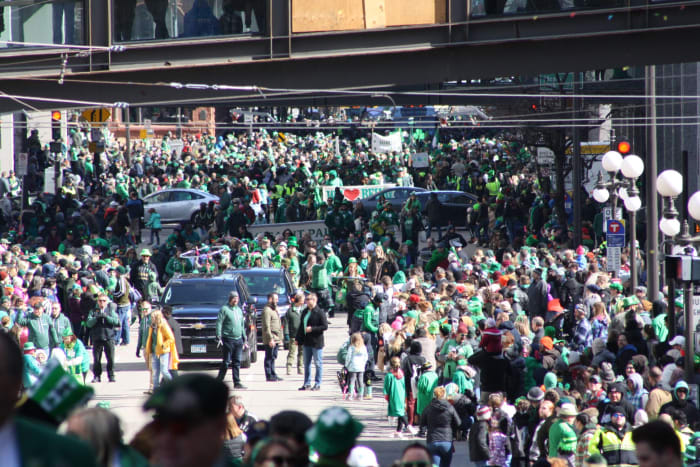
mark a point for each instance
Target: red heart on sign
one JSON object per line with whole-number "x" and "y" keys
{"x": 352, "y": 195}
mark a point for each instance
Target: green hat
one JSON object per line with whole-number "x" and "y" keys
{"x": 292, "y": 241}
{"x": 550, "y": 331}
{"x": 352, "y": 260}
{"x": 434, "y": 327}
{"x": 29, "y": 346}
{"x": 409, "y": 242}
{"x": 334, "y": 432}
{"x": 617, "y": 286}
{"x": 399, "y": 278}
{"x": 104, "y": 405}
{"x": 34, "y": 259}
{"x": 630, "y": 301}
{"x": 121, "y": 270}
{"x": 67, "y": 332}
{"x": 191, "y": 397}
{"x": 679, "y": 303}
{"x": 412, "y": 314}
{"x": 146, "y": 252}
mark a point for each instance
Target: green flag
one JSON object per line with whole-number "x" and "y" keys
{"x": 58, "y": 392}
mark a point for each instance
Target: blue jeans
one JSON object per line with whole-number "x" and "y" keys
{"x": 161, "y": 366}
{"x": 233, "y": 348}
{"x": 441, "y": 452}
{"x": 317, "y": 355}
{"x": 124, "y": 322}
{"x": 269, "y": 362}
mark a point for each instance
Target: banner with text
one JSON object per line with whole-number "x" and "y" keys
{"x": 391, "y": 143}
{"x": 317, "y": 229}
{"x": 354, "y": 192}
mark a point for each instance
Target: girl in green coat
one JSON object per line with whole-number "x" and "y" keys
{"x": 77, "y": 359}
{"x": 395, "y": 394}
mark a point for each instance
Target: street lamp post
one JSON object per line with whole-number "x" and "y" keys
{"x": 670, "y": 185}
{"x": 625, "y": 188}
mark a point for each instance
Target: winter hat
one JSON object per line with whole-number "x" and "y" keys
{"x": 547, "y": 343}
{"x": 598, "y": 346}
{"x": 550, "y": 381}
{"x": 483, "y": 413}
{"x": 606, "y": 372}
{"x": 568, "y": 410}
{"x": 462, "y": 328}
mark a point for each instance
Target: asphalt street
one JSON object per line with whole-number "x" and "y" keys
{"x": 262, "y": 398}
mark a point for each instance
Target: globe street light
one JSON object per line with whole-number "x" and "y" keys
{"x": 625, "y": 188}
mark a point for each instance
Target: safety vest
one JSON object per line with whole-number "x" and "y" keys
{"x": 617, "y": 452}
{"x": 493, "y": 187}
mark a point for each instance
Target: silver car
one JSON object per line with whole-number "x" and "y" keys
{"x": 177, "y": 204}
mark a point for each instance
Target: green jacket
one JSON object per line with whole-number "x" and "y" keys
{"x": 319, "y": 277}
{"x": 427, "y": 382}
{"x": 143, "y": 333}
{"x": 177, "y": 265}
{"x": 77, "y": 358}
{"x": 562, "y": 438}
{"x": 395, "y": 388}
{"x": 41, "y": 331}
{"x": 462, "y": 382}
{"x": 291, "y": 321}
{"x": 59, "y": 324}
{"x": 464, "y": 350}
{"x": 370, "y": 318}
{"x": 230, "y": 322}
{"x": 55, "y": 449}
{"x": 333, "y": 265}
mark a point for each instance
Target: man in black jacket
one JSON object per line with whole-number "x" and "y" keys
{"x": 310, "y": 337}
{"x": 537, "y": 295}
{"x": 103, "y": 321}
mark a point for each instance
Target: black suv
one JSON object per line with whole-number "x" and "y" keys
{"x": 263, "y": 281}
{"x": 196, "y": 300}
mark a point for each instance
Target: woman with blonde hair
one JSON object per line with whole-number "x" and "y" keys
{"x": 523, "y": 326}
{"x": 160, "y": 348}
{"x": 234, "y": 440}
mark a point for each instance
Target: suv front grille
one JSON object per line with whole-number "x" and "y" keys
{"x": 199, "y": 327}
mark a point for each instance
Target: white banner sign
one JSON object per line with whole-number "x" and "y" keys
{"x": 420, "y": 160}
{"x": 354, "y": 192}
{"x": 317, "y": 229}
{"x": 50, "y": 180}
{"x": 613, "y": 259}
{"x": 391, "y": 143}
{"x": 545, "y": 156}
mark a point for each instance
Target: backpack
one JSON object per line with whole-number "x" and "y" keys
{"x": 343, "y": 352}
{"x": 134, "y": 295}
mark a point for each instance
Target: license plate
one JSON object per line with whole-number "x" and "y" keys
{"x": 199, "y": 348}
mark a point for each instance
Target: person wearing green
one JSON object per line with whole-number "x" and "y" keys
{"x": 41, "y": 331}
{"x": 427, "y": 382}
{"x": 230, "y": 334}
{"x": 31, "y": 366}
{"x": 395, "y": 394}
{"x": 454, "y": 350}
{"x": 177, "y": 265}
{"x": 77, "y": 358}
{"x": 60, "y": 324}
{"x": 365, "y": 320}
{"x": 659, "y": 325}
{"x": 462, "y": 376}
{"x": 562, "y": 436}
{"x": 333, "y": 436}
{"x": 292, "y": 320}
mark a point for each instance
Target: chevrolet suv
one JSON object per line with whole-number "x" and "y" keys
{"x": 196, "y": 300}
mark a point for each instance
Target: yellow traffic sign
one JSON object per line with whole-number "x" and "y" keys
{"x": 96, "y": 115}
{"x": 143, "y": 134}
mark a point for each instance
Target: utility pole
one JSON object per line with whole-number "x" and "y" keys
{"x": 652, "y": 243}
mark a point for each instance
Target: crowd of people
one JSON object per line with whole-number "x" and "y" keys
{"x": 508, "y": 336}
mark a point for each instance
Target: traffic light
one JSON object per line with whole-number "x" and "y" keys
{"x": 624, "y": 147}
{"x": 56, "y": 125}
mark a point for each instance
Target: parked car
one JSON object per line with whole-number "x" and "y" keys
{"x": 196, "y": 300}
{"x": 177, "y": 204}
{"x": 263, "y": 281}
{"x": 455, "y": 205}
{"x": 396, "y": 196}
